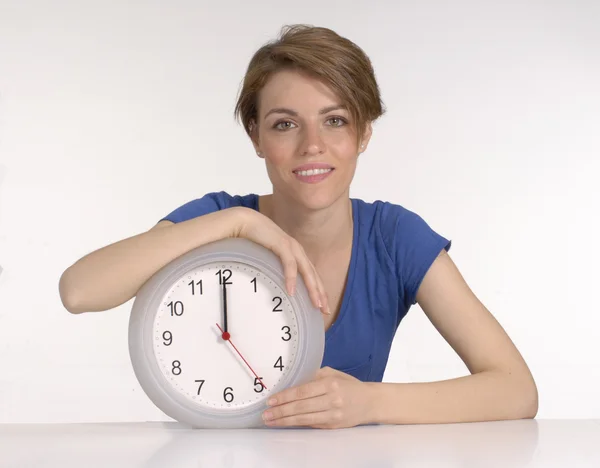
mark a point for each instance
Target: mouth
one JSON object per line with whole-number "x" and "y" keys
{"x": 313, "y": 176}
{"x": 311, "y": 172}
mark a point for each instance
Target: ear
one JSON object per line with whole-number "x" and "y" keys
{"x": 364, "y": 142}
{"x": 254, "y": 136}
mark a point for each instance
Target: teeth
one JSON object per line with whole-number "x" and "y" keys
{"x": 313, "y": 172}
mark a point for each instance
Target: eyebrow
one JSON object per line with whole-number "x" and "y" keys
{"x": 285, "y": 110}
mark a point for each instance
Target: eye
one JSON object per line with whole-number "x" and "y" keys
{"x": 340, "y": 123}
{"x": 277, "y": 125}
{"x": 339, "y": 119}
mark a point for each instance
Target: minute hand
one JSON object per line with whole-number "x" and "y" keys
{"x": 225, "y": 306}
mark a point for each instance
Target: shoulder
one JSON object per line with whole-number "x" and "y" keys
{"x": 208, "y": 203}
{"x": 394, "y": 222}
{"x": 410, "y": 242}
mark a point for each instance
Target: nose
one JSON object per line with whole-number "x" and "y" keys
{"x": 312, "y": 141}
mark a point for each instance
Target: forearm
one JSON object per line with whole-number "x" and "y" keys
{"x": 485, "y": 396}
{"x": 112, "y": 275}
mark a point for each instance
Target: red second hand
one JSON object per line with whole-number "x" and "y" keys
{"x": 228, "y": 338}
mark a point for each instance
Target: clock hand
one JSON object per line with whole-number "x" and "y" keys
{"x": 249, "y": 367}
{"x": 225, "y": 332}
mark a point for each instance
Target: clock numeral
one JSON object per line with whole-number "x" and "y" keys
{"x": 254, "y": 281}
{"x": 201, "y": 382}
{"x": 176, "y": 368}
{"x": 279, "y": 364}
{"x": 167, "y": 336}
{"x": 276, "y": 308}
{"x": 199, "y": 283}
{"x": 224, "y": 275}
{"x": 228, "y": 396}
{"x": 287, "y": 332}
{"x": 261, "y": 386}
{"x": 176, "y": 308}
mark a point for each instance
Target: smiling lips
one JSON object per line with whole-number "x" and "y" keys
{"x": 313, "y": 173}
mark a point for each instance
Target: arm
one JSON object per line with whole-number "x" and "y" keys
{"x": 112, "y": 275}
{"x": 501, "y": 385}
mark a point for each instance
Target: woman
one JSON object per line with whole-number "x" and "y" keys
{"x": 307, "y": 103}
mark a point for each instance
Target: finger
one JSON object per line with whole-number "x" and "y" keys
{"x": 319, "y": 289}
{"x": 290, "y": 266}
{"x": 311, "y": 389}
{"x": 318, "y": 419}
{"x": 324, "y": 372}
{"x": 310, "y": 405}
{"x": 322, "y": 293}
{"x": 329, "y": 372}
{"x": 309, "y": 274}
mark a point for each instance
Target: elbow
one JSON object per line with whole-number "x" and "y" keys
{"x": 519, "y": 394}
{"x": 526, "y": 397}
{"x": 67, "y": 296}
{"x": 531, "y": 399}
{"x": 71, "y": 306}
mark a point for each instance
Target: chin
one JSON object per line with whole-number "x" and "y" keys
{"x": 311, "y": 197}
{"x": 317, "y": 200}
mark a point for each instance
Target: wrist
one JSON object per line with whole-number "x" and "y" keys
{"x": 373, "y": 402}
{"x": 241, "y": 217}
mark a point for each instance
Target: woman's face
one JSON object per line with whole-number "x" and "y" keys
{"x": 300, "y": 124}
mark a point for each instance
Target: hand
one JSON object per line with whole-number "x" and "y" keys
{"x": 262, "y": 230}
{"x": 332, "y": 400}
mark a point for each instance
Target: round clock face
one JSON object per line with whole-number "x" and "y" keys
{"x": 225, "y": 334}
{"x": 213, "y": 334}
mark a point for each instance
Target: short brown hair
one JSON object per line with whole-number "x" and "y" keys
{"x": 324, "y": 54}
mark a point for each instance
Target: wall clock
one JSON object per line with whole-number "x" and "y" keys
{"x": 214, "y": 333}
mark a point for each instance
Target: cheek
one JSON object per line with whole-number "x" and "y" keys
{"x": 345, "y": 152}
{"x": 342, "y": 145}
{"x": 275, "y": 167}
{"x": 278, "y": 150}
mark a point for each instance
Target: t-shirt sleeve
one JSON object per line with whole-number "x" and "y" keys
{"x": 416, "y": 245}
{"x": 208, "y": 203}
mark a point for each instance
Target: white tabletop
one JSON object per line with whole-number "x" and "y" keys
{"x": 506, "y": 444}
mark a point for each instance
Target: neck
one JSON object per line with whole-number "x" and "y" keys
{"x": 318, "y": 231}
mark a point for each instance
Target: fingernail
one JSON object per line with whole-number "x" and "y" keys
{"x": 292, "y": 289}
{"x": 272, "y": 401}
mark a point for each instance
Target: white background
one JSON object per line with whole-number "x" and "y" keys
{"x": 114, "y": 113}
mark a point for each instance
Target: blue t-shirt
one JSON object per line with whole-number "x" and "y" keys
{"x": 392, "y": 249}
